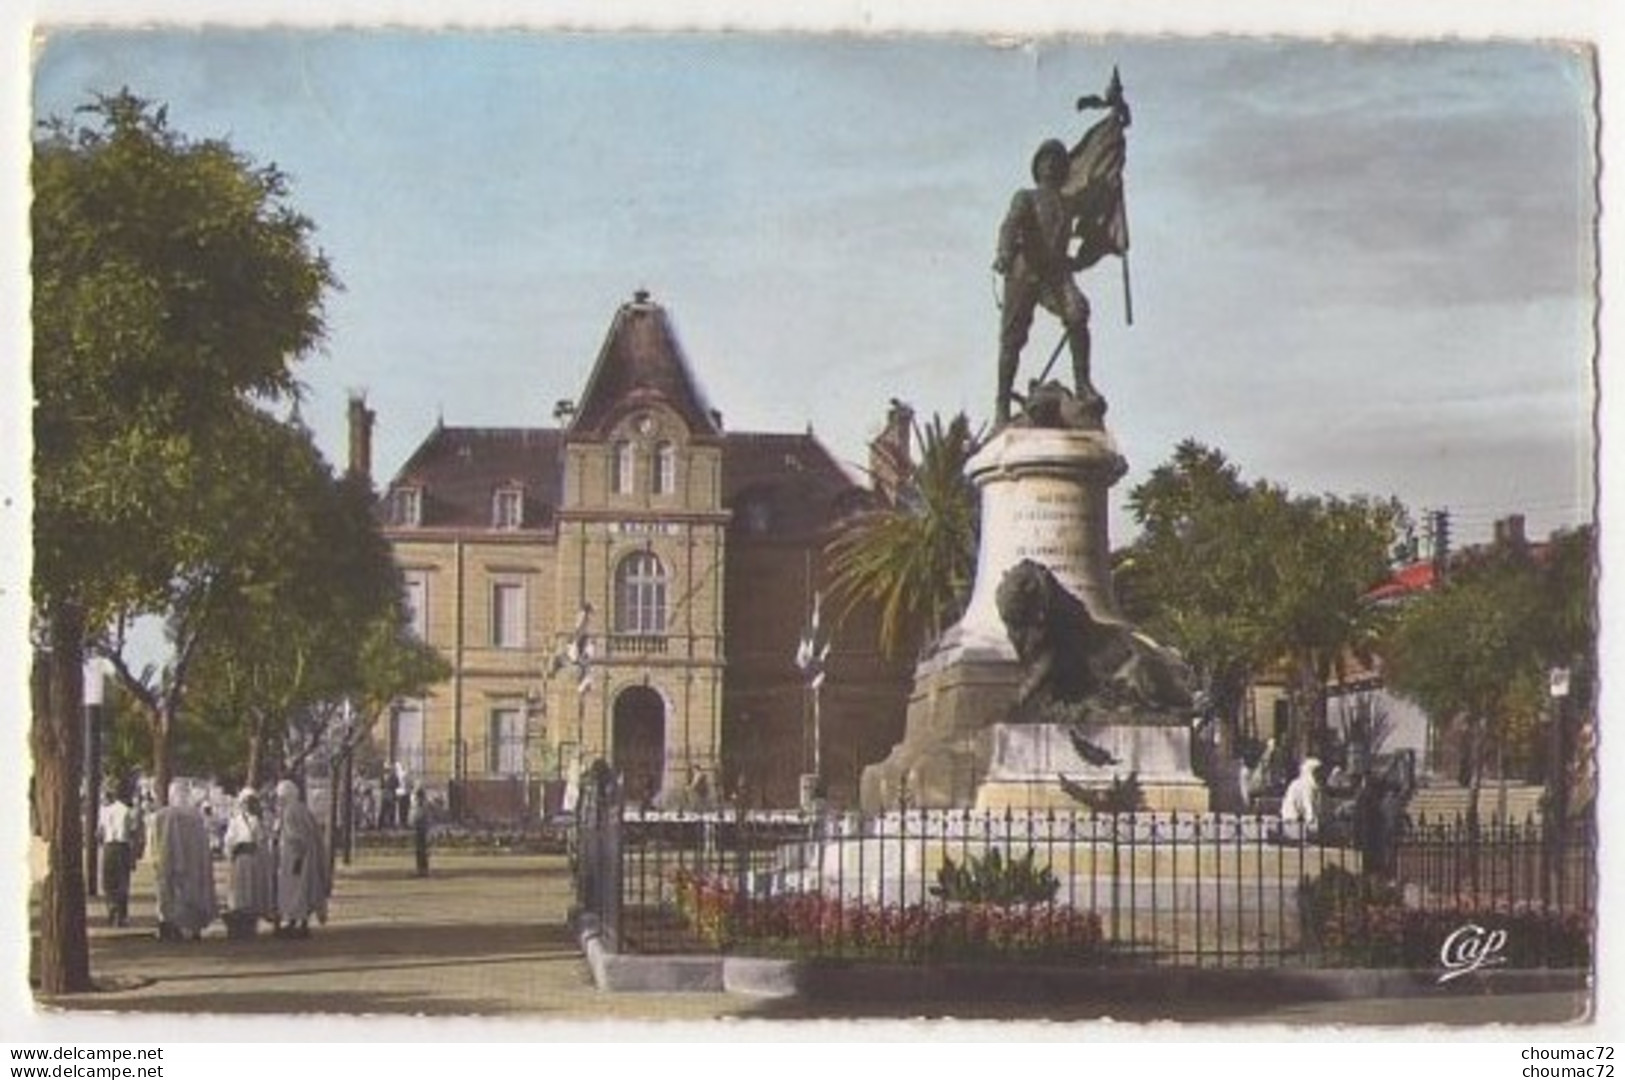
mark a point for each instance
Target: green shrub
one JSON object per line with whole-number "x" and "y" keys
{"x": 991, "y": 879}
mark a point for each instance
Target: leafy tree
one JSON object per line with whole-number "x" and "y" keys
{"x": 1335, "y": 551}
{"x": 915, "y": 561}
{"x": 1195, "y": 574}
{"x": 1247, "y": 577}
{"x": 1567, "y": 578}
{"x": 1478, "y": 647}
{"x": 291, "y": 600}
{"x": 173, "y": 284}
{"x": 1462, "y": 650}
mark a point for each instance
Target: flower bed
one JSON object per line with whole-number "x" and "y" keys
{"x": 727, "y": 918}
{"x": 1363, "y": 922}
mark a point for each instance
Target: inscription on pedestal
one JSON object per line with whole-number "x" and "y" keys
{"x": 1044, "y": 498}
{"x": 1051, "y": 530}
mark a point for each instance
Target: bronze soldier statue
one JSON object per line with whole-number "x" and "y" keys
{"x": 1077, "y": 197}
{"x": 1033, "y": 257}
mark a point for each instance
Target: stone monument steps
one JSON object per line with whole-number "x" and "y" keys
{"x": 1514, "y": 803}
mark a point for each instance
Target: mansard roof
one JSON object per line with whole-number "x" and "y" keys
{"x": 458, "y": 470}
{"x": 792, "y": 478}
{"x": 779, "y": 486}
{"x": 641, "y": 363}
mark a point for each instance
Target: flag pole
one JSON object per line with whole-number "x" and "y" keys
{"x": 1128, "y": 295}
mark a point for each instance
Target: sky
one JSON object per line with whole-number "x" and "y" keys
{"x": 1361, "y": 235}
{"x": 1355, "y": 268}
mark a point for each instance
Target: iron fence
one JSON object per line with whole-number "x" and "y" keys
{"x": 1058, "y": 886}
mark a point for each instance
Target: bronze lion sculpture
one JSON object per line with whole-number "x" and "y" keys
{"x": 1071, "y": 661}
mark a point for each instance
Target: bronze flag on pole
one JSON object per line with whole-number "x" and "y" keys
{"x": 1094, "y": 184}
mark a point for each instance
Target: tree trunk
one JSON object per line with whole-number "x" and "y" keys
{"x": 57, "y": 742}
{"x": 256, "y": 758}
{"x": 1475, "y": 786}
{"x": 163, "y": 751}
{"x": 1475, "y": 770}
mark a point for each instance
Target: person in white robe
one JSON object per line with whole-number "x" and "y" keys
{"x": 251, "y": 886}
{"x": 184, "y": 867}
{"x": 302, "y": 883}
{"x": 1300, "y": 806}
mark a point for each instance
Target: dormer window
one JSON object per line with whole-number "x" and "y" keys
{"x": 406, "y": 505}
{"x": 508, "y": 508}
{"x": 757, "y": 515}
{"x": 664, "y": 478}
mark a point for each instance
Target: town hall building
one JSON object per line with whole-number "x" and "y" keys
{"x": 632, "y": 585}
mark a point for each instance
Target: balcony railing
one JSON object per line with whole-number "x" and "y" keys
{"x": 637, "y": 645}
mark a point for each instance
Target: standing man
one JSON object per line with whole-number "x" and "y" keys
{"x": 118, "y": 829}
{"x": 388, "y": 784}
{"x": 417, "y": 816}
{"x": 184, "y": 867}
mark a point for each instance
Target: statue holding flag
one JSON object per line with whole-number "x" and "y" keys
{"x": 1071, "y": 220}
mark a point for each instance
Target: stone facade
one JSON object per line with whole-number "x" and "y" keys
{"x": 683, "y": 557}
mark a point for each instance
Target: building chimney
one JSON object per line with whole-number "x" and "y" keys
{"x": 361, "y": 421}
{"x": 891, "y": 457}
{"x": 1509, "y": 532}
{"x": 1515, "y": 531}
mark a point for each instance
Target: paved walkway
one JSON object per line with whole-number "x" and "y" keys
{"x": 485, "y": 936}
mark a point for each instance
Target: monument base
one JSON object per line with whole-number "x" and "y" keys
{"x": 942, "y": 758}
{"x": 1026, "y": 762}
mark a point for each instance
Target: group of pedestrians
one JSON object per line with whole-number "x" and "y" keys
{"x": 397, "y": 789}
{"x": 278, "y": 864}
{"x": 404, "y": 804}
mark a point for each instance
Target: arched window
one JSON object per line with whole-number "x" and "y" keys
{"x": 640, "y": 595}
{"x": 622, "y": 476}
{"x": 664, "y": 478}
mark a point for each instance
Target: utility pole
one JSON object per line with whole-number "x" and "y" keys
{"x": 1439, "y": 531}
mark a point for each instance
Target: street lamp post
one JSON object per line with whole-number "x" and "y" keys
{"x": 94, "y": 696}
{"x": 1555, "y": 827}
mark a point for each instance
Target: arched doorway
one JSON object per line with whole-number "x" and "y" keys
{"x": 638, "y": 742}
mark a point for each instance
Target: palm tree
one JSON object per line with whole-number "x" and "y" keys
{"x": 914, "y": 561}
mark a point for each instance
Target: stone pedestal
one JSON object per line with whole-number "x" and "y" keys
{"x": 943, "y": 756}
{"x": 1044, "y": 497}
{"x": 1026, "y": 761}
